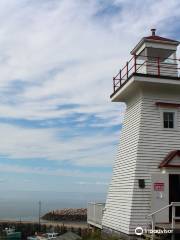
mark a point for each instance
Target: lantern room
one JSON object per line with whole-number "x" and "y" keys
{"x": 153, "y": 56}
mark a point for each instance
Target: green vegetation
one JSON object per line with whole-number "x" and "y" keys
{"x": 96, "y": 235}
{"x": 29, "y": 229}
{"x": 93, "y": 235}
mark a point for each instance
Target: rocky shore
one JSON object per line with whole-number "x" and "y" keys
{"x": 67, "y": 214}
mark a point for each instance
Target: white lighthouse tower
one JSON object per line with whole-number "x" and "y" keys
{"x": 146, "y": 173}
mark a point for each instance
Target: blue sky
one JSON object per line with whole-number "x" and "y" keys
{"x": 59, "y": 130}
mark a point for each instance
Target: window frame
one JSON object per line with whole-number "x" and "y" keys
{"x": 168, "y": 110}
{"x": 169, "y": 120}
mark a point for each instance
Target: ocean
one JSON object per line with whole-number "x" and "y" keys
{"x": 24, "y": 206}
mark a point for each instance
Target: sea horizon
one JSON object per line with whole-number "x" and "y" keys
{"x": 24, "y": 205}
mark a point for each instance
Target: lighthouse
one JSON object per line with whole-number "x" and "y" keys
{"x": 146, "y": 172}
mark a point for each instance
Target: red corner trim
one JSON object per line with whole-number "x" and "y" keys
{"x": 168, "y": 159}
{"x": 165, "y": 104}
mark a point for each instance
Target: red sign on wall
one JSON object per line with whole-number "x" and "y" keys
{"x": 159, "y": 187}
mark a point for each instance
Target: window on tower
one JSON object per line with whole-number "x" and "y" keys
{"x": 168, "y": 118}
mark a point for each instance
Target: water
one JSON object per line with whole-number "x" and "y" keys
{"x": 24, "y": 205}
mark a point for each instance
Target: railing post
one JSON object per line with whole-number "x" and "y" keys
{"x": 158, "y": 65}
{"x": 127, "y": 68}
{"x": 135, "y": 68}
{"x": 153, "y": 225}
{"x": 153, "y": 222}
{"x": 173, "y": 216}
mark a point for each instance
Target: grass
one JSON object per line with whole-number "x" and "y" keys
{"x": 96, "y": 235}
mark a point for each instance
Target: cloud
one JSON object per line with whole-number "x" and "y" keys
{"x": 92, "y": 183}
{"x": 72, "y": 61}
{"x": 7, "y": 168}
{"x": 57, "y": 61}
{"x": 23, "y": 143}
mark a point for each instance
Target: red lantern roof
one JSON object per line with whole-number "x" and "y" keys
{"x": 154, "y": 38}
{"x": 158, "y": 38}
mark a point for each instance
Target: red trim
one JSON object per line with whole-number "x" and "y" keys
{"x": 169, "y": 158}
{"x": 173, "y": 166}
{"x": 158, "y": 38}
{"x": 165, "y": 104}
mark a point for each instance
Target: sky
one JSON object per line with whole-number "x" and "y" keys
{"x": 59, "y": 130}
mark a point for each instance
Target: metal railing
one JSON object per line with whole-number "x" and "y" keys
{"x": 95, "y": 214}
{"x": 146, "y": 65}
{"x": 174, "y": 217}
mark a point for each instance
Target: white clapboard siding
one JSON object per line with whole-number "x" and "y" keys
{"x": 154, "y": 144}
{"x": 117, "y": 212}
{"x": 143, "y": 145}
{"x": 166, "y": 69}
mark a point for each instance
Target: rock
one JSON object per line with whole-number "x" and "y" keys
{"x": 67, "y": 214}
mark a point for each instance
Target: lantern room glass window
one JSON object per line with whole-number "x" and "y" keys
{"x": 168, "y": 118}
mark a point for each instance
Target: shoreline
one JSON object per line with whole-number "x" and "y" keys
{"x": 74, "y": 224}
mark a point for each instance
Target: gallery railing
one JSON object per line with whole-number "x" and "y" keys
{"x": 146, "y": 65}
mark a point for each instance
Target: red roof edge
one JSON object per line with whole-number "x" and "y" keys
{"x": 158, "y": 38}
{"x": 166, "y": 104}
{"x": 168, "y": 158}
